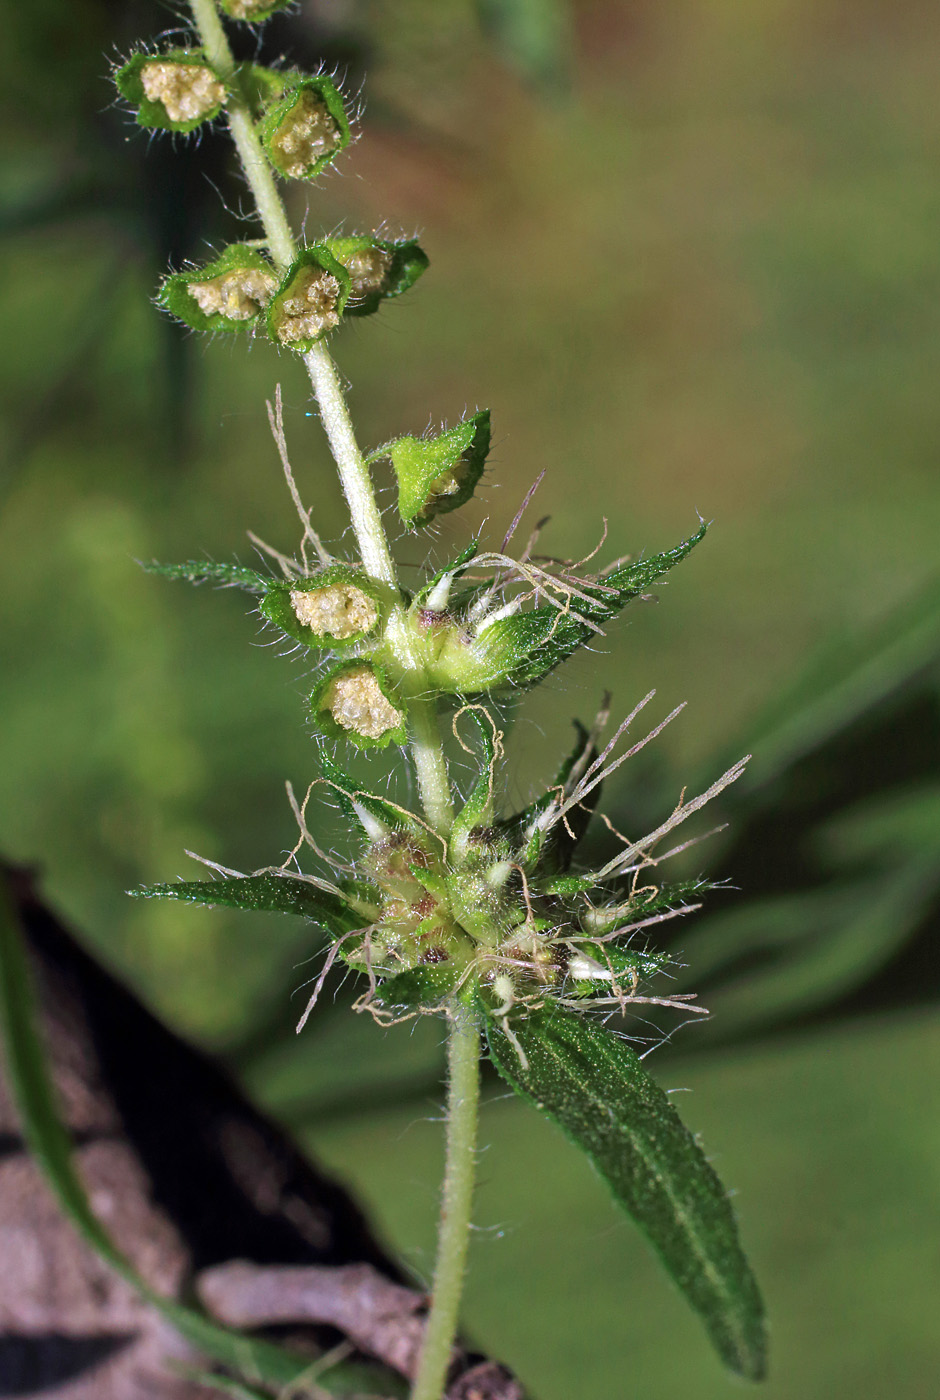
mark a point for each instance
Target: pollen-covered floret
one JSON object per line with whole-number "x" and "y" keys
{"x": 368, "y": 269}
{"x": 356, "y": 702}
{"x": 238, "y": 295}
{"x": 187, "y": 91}
{"x": 311, "y": 306}
{"x": 340, "y": 610}
{"x": 246, "y": 9}
{"x": 307, "y": 133}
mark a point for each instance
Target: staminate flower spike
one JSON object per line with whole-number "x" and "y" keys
{"x": 336, "y": 608}
{"x": 378, "y": 269}
{"x": 492, "y": 921}
{"x": 356, "y": 702}
{"x": 173, "y": 91}
{"x": 305, "y": 129}
{"x": 438, "y": 474}
{"x": 310, "y": 300}
{"x": 228, "y": 294}
{"x": 253, "y": 11}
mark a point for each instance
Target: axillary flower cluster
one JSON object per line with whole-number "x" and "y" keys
{"x": 458, "y": 907}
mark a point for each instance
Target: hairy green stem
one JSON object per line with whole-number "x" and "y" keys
{"x": 463, "y": 1098}
{"x": 354, "y": 475}
{"x": 353, "y": 472}
{"x": 258, "y": 172}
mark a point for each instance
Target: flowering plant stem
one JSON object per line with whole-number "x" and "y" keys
{"x": 424, "y": 731}
{"x": 462, "y": 911}
{"x": 463, "y": 1098}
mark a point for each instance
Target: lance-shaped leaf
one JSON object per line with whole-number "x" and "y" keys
{"x": 269, "y": 893}
{"x": 356, "y": 702}
{"x": 204, "y": 571}
{"x": 438, "y": 474}
{"x": 173, "y": 91}
{"x": 378, "y": 269}
{"x": 228, "y": 294}
{"x": 595, "y": 1088}
{"x": 309, "y": 301}
{"x": 337, "y": 607}
{"x": 305, "y": 129}
{"x": 526, "y": 647}
{"x": 376, "y": 816}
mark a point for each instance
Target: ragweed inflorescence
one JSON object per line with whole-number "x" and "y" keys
{"x": 456, "y": 908}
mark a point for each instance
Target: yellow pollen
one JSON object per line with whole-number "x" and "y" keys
{"x": 238, "y": 295}
{"x": 340, "y": 610}
{"x": 356, "y": 702}
{"x": 307, "y": 132}
{"x": 309, "y": 307}
{"x": 188, "y": 91}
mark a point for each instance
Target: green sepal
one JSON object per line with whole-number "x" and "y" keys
{"x": 317, "y": 256}
{"x": 544, "y": 638}
{"x": 626, "y": 964}
{"x": 225, "y": 575}
{"x": 407, "y": 261}
{"x": 589, "y": 1082}
{"x": 454, "y": 569}
{"x": 420, "y": 987}
{"x": 454, "y": 459}
{"x": 279, "y": 609}
{"x": 154, "y": 115}
{"x": 323, "y": 719}
{"x": 274, "y": 894}
{"x": 478, "y": 808}
{"x": 645, "y": 904}
{"x": 176, "y": 296}
{"x": 324, "y": 90}
{"x": 251, "y": 13}
{"x": 354, "y": 802}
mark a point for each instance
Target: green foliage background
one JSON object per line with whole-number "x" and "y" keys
{"x": 688, "y": 255}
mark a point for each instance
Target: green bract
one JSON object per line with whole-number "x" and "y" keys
{"x": 356, "y": 702}
{"x": 310, "y": 300}
{"x": 378, "y": 269}
{"x": 228, "y": 294}
{"x": 305, "y": 129}
{"x": 173, "y": 91}
{"x": 337, "y": 607}
{"x": 253, "y": 11}
{"x": 438, "y": 474}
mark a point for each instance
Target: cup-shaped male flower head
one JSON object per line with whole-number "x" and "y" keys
{"x": 339, "y": 607}
{"x": 305, "y": 129}
{"x": 438, "y": 474}
{"x": 228, "y": 294}
{"x": 356, "y": 702}
{"x": 378, "y": 268}
{"x": 310, "y": 300}
{"x": 173, "y": 91}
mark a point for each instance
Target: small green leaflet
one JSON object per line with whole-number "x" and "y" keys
{"x": 204, "y": 571}
{"x": 276, "y": 894}
{"x": 49, "y": 1143}
{"x": 595, "y": 1088}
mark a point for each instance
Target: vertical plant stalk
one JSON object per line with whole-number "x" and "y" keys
{"x": 463, "y": 1098}
{"x": 334, "y": 414}
{"x": 425, "y": 738}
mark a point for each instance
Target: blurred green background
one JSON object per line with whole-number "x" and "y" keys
{"x": 688, "y": 255}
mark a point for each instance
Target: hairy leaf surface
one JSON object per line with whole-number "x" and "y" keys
{"x": 595, "y": 1088}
